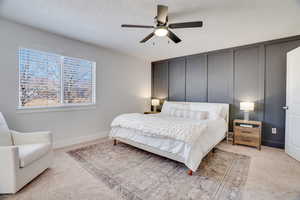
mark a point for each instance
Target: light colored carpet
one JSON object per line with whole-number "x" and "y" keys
{"x": 139, "y": 175}
{"x": 273, "y": 175}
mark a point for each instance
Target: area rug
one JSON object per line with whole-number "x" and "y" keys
{"x": 140, "y": 175}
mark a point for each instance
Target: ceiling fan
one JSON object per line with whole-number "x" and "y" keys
{"x": 162, "y": 27}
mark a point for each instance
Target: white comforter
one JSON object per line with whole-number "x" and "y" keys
{"x": 190, "y": 154}
{"x": 181, "y": 129}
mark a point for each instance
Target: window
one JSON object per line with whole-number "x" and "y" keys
{"x": 51, "y": 80}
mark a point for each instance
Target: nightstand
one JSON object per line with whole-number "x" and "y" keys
{"x": 247, "y": 133}
{"x": 151, "y": 112}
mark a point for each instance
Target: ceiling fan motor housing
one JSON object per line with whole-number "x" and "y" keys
{"x": 158, "y": 23}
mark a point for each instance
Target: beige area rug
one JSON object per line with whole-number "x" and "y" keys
{"x": 139, "y": 175}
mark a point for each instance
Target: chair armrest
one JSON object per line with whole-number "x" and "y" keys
{"x": 31, "y": 138}
{"x": 9, "y": 158}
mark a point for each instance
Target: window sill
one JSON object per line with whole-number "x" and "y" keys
{"x": 64, "y": 108}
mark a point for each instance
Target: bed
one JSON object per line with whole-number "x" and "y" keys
{"x": 184, "y": 131}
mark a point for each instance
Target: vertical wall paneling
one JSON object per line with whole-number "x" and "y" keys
{"x": 248, "y": 82}
{"x": 262, "y": 69}
{"x": 177, "y": 79}
{"x": 220, "y": 77}
{"x": 160, "y": 81}
{"x": 220, "y": 68}
{"x": 196, "y": 78}
{"x": 249, "y": 73}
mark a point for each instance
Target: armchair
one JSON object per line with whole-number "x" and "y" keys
{"x": 23, "y": 156}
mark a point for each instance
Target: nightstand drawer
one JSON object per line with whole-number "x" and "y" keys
{"x": 246, "y": 130}
{"x": 241, "y": 134}
{"x": 250, "y": 140}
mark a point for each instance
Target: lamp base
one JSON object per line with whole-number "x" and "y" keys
{"x": 246, "y": 116}
{"x": 154, "y": 109}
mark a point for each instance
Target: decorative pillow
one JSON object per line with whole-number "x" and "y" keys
{"x": 5, "y": 137}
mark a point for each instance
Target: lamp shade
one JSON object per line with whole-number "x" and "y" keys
{"x": 247, "y": 106}
{"x": 155, "y": 102}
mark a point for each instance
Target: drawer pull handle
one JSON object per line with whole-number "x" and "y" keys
{"x": 246, "y": 132}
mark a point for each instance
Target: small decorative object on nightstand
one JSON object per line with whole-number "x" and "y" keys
{"x": 247, "y": 133}
{"x": 151, "y": 112}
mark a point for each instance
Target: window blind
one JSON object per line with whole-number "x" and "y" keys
{"x": 78, "y": 80}
{"x": 39, "y": 78}
{"x": 47, "y": 79}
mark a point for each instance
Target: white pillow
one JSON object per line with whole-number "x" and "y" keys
{"x": 175, "y": 112}
{"x": 168, "y": 106}
{"x": 171, "y": 112}
{"x": 188, "y": 114}
{"x": 216, "y": 113}
{"x": 198, "y": 115}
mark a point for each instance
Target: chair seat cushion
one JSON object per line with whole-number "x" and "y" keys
{"x": 30, "y": 153}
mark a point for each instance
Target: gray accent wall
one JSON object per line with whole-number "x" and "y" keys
{"x": 254, "y": 72}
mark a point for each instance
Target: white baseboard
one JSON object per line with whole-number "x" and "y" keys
{"x": 78, "y": 140}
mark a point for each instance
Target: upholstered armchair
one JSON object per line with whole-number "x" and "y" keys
{"x": 23, "y": 156}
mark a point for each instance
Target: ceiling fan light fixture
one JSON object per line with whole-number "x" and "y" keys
{"x": 161, "y": 31}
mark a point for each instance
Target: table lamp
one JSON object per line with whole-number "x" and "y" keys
{"x": 246, "y": 107}
{"x": 155, "y": 103}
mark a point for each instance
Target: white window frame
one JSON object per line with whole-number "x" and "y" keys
{"x": 62, "y": 105}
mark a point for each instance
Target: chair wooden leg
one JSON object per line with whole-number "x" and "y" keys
{"x": 115, "y": 142}
{"x": 190, "y": 172}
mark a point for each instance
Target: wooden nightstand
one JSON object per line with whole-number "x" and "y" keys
{"x": 247, "y": 133}
{"x": 151, "y": 112}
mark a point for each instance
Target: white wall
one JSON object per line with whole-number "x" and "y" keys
{"x": 123, "y": 84}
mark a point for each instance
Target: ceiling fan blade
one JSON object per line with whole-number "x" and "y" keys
{"x": 162, "y": 14}
{"x": 135, "y": 26}
{"x": 173, "y": 37}
{"x": 186, "y": 25}
{"x": 147, "y": 38}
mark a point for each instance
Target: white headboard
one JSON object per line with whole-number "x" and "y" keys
{"x": 197, "y": 106}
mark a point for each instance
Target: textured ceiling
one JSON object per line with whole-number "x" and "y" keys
{"x": 227, "y": 23}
